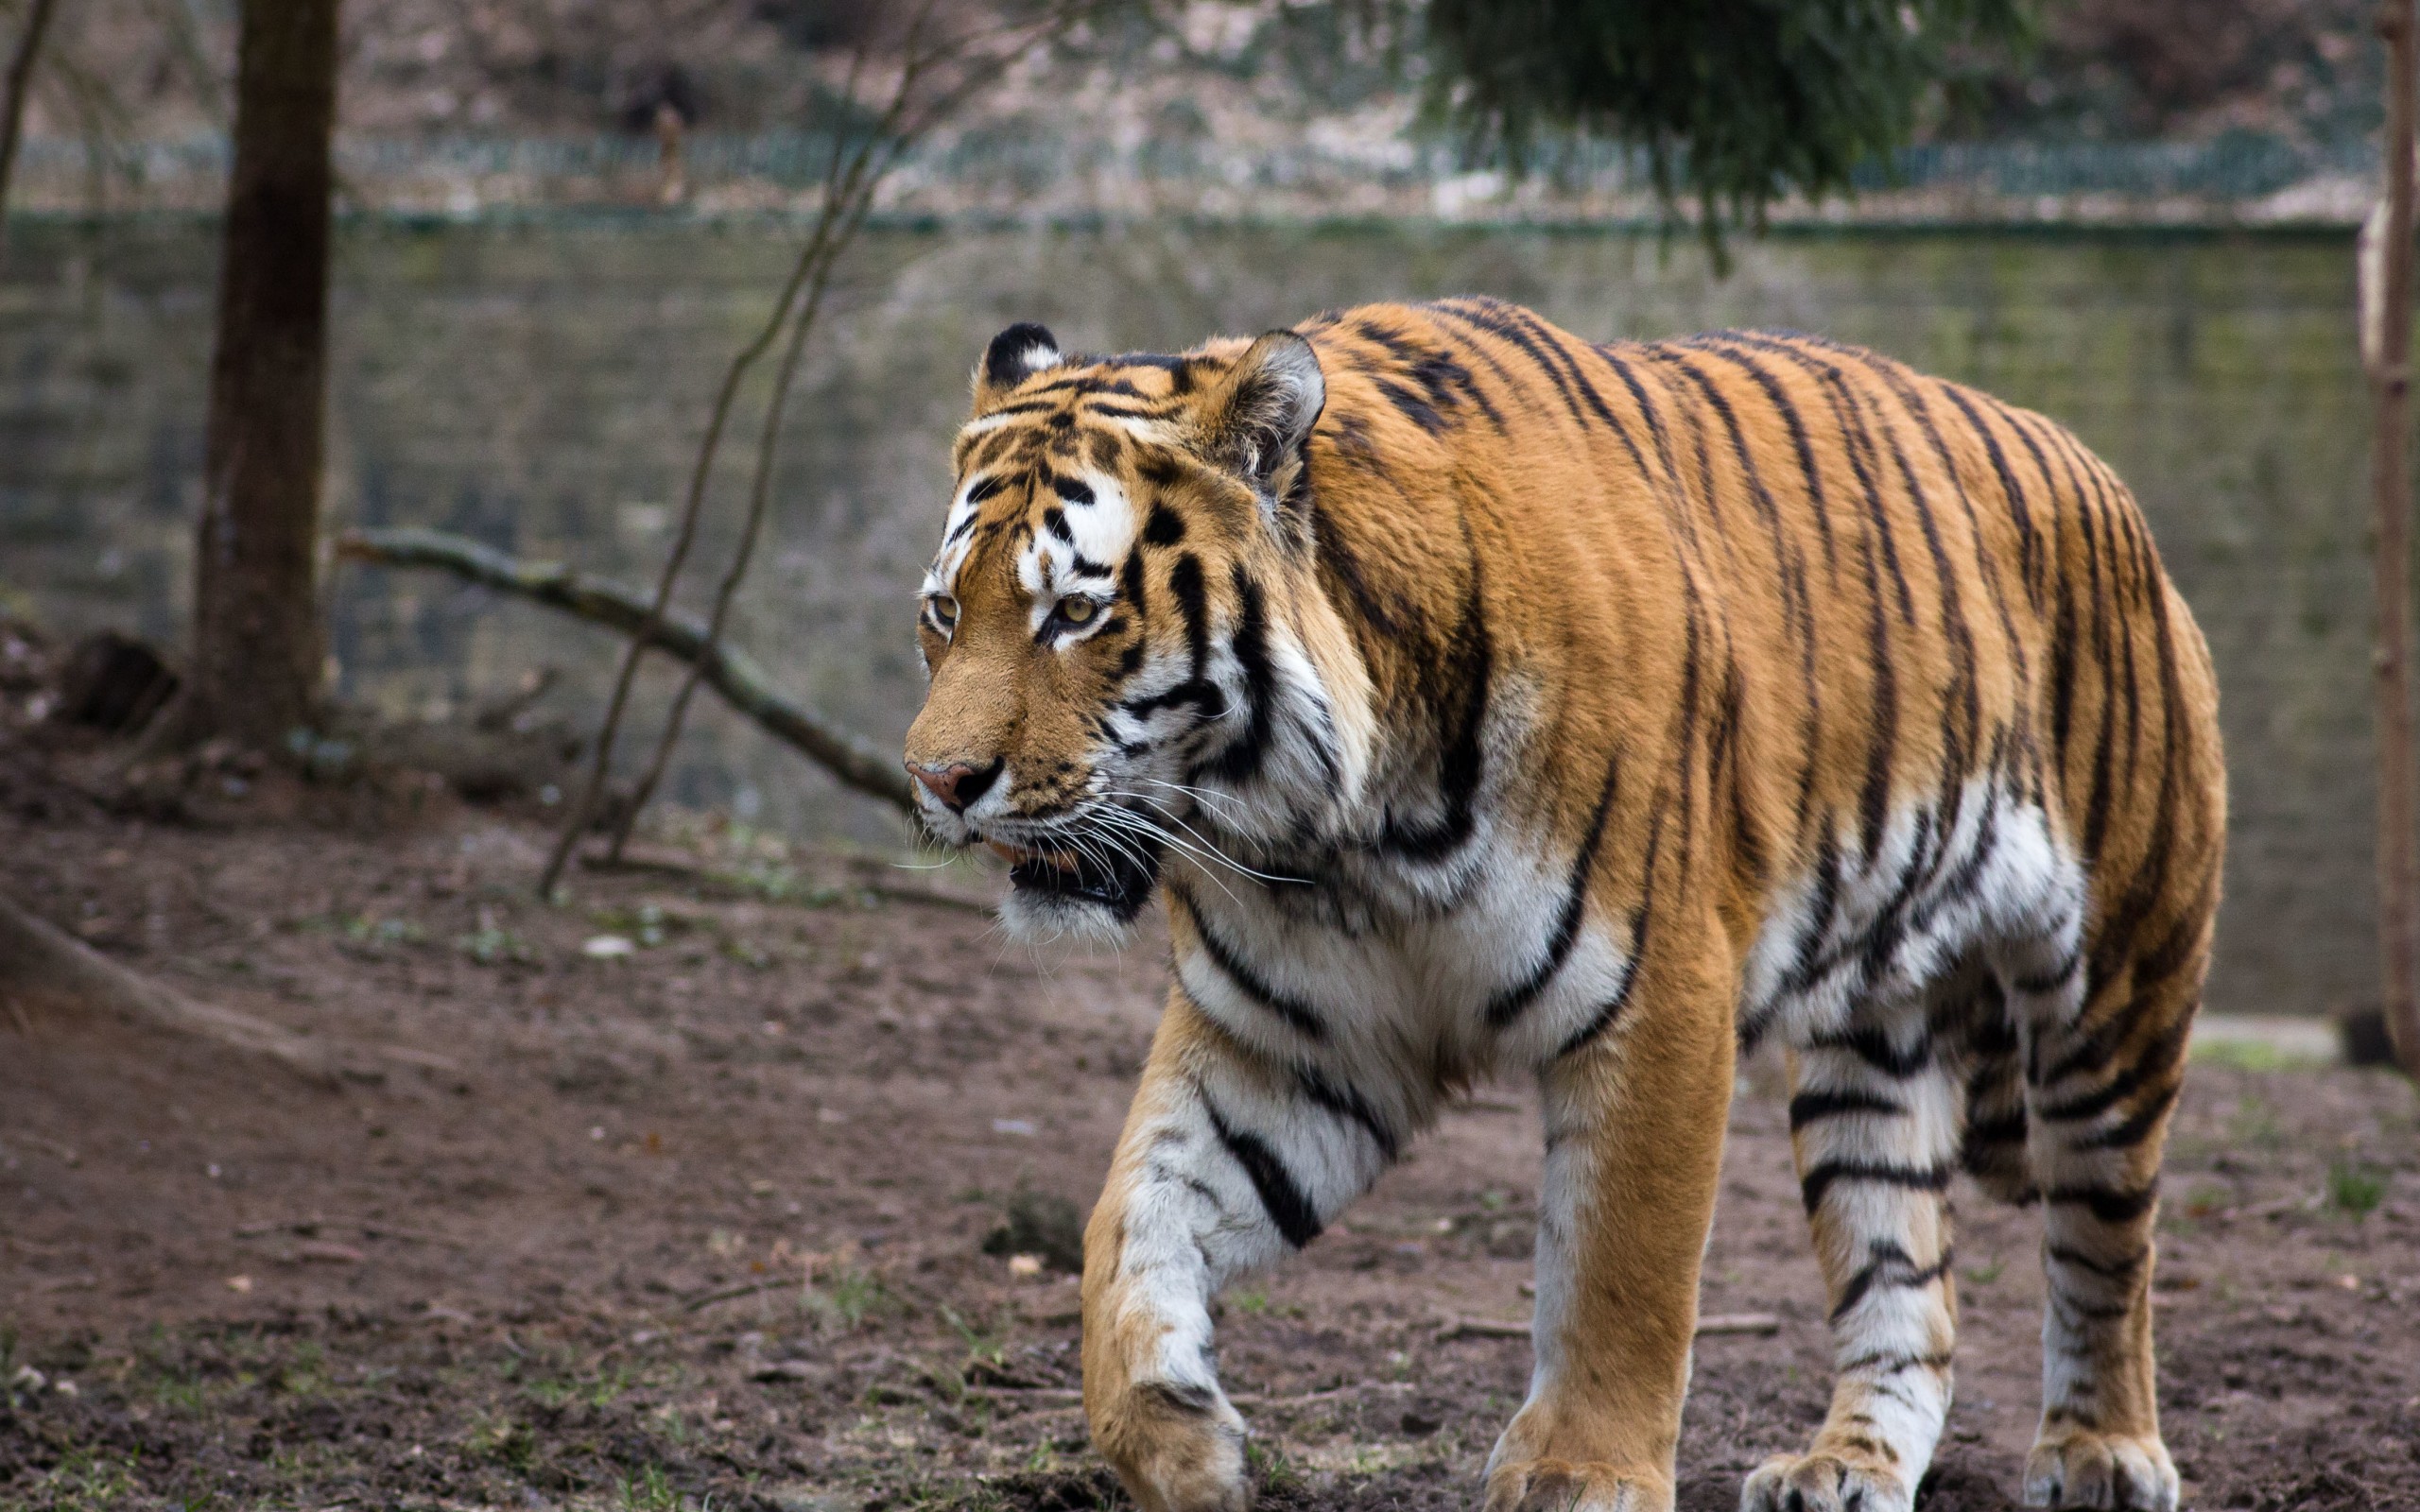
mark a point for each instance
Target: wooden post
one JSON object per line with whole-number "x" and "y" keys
{"x": 2386, "y": 343}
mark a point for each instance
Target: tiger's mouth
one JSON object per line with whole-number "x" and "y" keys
{"x": 1117, "y": 878}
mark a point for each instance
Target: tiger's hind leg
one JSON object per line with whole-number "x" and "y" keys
{"x": 2100, "y": 1077}
{"x": 1874, "y": 1117}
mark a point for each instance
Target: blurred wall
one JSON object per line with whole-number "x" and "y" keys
{"x": 541, "y": 386}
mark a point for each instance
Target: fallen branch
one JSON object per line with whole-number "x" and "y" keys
{"x": 373, "y": 1227}
{"x": 1712, "y": 1323}
{"x": 42, "y": 964}
{"x": 729, "y": 1294}
{"x": 658, "y": 864}
{"x": 1739, "y": 1323}
{"x": 856, "y": 760}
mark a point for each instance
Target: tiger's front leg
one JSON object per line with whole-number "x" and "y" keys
{"x": 1230, "y": 1159}
{"x": 1634, "y": 1120}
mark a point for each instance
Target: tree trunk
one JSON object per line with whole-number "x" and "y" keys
{"x": 256, "y": 648}
{"x": 2387, "y": 349}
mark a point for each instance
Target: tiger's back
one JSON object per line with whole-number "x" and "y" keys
{"x": 1590, "y": 711}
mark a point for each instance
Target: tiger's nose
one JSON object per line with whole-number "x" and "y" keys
{"x": 957, "y": 786}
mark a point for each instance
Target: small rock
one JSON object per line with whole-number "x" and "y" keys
{"x": 1043, "y": 1225}
{"x": 114, "y": 682}
{"x": 607, "y": 946}
{"x": 328, "y": 1251}
{"x": 783, "y": 1370}
{"x": 239, "y": 1285}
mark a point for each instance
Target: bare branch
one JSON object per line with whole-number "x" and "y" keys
{"x": 855, "y": 761}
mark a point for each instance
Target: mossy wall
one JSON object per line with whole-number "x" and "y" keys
{"x": 541, "y": 387}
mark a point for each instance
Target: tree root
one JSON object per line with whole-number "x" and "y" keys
{"x": 43, "y": 966}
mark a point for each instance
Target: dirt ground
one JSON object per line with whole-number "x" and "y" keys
{"x": 704, "y": 1224}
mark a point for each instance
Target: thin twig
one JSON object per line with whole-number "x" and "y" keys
{"x": 848, "y": 197}
{"x": 374, "y": 1227}
{"x": 583, "y": 805}
{"x": 13, "y": 96}
{"x": 836, "y": 226}
{"x": 1712, "y": 1323}
{"x": 730, "y": 1294}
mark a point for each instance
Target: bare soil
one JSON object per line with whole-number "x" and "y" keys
{"x": 704, "y": 1224}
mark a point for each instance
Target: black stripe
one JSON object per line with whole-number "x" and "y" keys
{"x": 1797, "y": 602}
{"x": 1822, "y": 1177}
{"x": 1286, "y": 1205}
{"x": 1074, "y": 490}
{"x": 1856, "y": 445}
{"x": 2109, "y": 1206}
{"x": 1192, "y": 1400}
{"x": 1130, "y": 580}
{"x": 1301, "y": 1016}
{"x": 1796, "y": 425}
{"x": 1808, "y": 1108}
{"x": 1612, "y": 1007}
{"x": 1507, "y": 1005}
{"x": 2001, "y": 1128}
{"x": 1240, "y": 760}
{"x": 1892, "y": 1361}
{"x": 1892, "y": 1269}
{"x": 1462, "y": 688}
{"x": 1348, "y": 1102}
{"x": 2029, "y": 542}
{"x": 1875, "y": 1048}
{"x": 2125, "y": 1269}
{"x": 2138, "y": 1126}
{"x": 1163, "y": 528}
{"x": 1666, "y": 480}
{"x": 1414, "y": 409}
{"x": 2052, "y": 980}
{"x": 1192, "y": 602}
{"x": 1483, "y": 317}
{"x": 1827, "y": 907}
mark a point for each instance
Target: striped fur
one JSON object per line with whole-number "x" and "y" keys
{"x": 1480, "y": 701}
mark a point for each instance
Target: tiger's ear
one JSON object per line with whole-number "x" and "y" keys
{"x": 1015, "y": 355}
{"x": 1255, "y": 421}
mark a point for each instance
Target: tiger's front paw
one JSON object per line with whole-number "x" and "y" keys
{"x": 1177, "y": 1448}
{"x": 1824, "y": 1483}
{"x": 1562, "y": 1485}
{"x": 2073, "y": 1467}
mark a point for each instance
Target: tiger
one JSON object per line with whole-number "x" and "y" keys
{"x": 1477, "y": 700}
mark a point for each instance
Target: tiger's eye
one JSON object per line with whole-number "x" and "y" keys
{"x": 944, "y": 610}
{"x": 1077, "y": 611}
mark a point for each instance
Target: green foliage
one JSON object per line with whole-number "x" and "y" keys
{"x": 2354, "y": 1189}
{"x": 84, "y": 1480}
{"x": 491, "y": 946}
{"x": 850, "y": 1297}
{"x": 1268, "y": 1463}
{"x": 1736, "y": 102}
{"x": 651, "y": 1492}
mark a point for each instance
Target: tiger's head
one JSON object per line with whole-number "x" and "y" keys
{"x": 1126, "y": 650}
